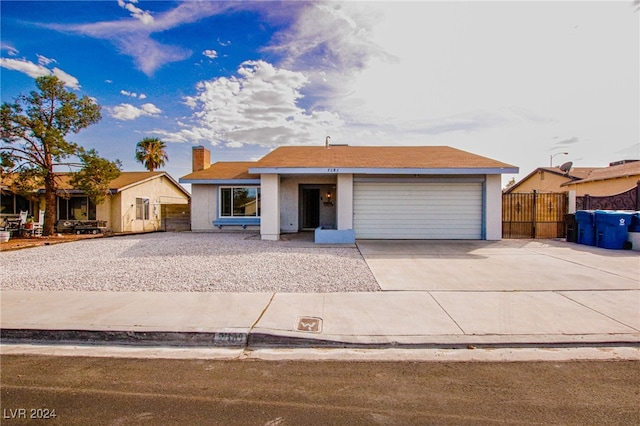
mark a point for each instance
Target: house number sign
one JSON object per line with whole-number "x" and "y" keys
{"x": 333, "y": 170}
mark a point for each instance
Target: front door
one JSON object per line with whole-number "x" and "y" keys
{"x": 310, "y": 208}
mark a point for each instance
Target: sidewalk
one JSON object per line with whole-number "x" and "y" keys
{"x": 430, "y": 319}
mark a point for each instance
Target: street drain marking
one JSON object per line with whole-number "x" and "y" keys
{"x": 309, "y": 324}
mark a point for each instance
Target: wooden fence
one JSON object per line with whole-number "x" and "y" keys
{"x": 176, "y": 217}
{"x": 534, "y": 215}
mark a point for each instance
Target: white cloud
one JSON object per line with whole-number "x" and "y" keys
{"x": 35, "y": 71}
{"x": 126, "y": 112}
{"x": 257, "y": 107}
{"x": 477, "y": 76}
{"x": 68, "y": 79}
{"x": 134, "y": 40}
{"x": 330, "y": 36}
{"x": 143, "y": 15}
{"x": 11, "y": 51}
{"x": 133, "y": 94}
{"x": 43, "y": 60}
{"x": 210, "y": 53}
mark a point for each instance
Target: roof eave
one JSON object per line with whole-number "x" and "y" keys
{"x": 221, "y": 181}
{"x": 384, "y": 170}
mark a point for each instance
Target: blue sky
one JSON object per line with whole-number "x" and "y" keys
{"x": 512, "y": 80}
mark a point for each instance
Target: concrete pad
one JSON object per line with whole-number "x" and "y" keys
{"x": 525, "y": 313}
{"x": 131, "y": 311}
{"x": 498, "y": 272}
{"x": 498, "y": 265}
{"x": 364, "y": 317}
{"x": 622, "y": 306}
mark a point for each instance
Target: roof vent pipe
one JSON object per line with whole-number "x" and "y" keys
{"x": 326, "y": 142}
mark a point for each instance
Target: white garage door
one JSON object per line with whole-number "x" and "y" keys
{"x": 443, "y": 210}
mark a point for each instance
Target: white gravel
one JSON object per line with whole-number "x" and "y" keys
{"x": 186, "y": 262}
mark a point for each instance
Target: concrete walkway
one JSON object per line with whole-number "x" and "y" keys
{"x": 435, "y": 294}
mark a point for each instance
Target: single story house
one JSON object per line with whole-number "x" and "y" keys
{"x": 425, "y": 192}
{"x": 548, "y": 179}
{"x": 619, "y": 177}
{"x": 133, "y": 205}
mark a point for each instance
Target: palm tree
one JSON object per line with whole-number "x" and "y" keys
{"x": 150, "y": 152}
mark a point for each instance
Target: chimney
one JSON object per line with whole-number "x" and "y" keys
{"x": 201, "y": 158}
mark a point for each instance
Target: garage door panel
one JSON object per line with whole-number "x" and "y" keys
{"x": 418, "y": 210}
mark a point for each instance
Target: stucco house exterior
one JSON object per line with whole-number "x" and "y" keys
{"x": 596, "y": 181}
{"x": 615, "y": 179}
{"x": 548, "y": 179}
{"x": 133, "y": 205}
{"x": 428, "y": 192}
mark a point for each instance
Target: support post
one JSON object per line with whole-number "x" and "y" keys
{"x": 270, "y": 208}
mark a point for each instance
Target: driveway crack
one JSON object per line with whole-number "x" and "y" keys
{"x": 255, "y": 323}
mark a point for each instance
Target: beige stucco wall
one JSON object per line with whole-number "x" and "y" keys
{"x": 493, "y": 207}
{"x": 542, "y": 182}
{"x": 204, "y": 203}
{"x": 103, "y": 212}
{"x": 159, "y": 191}
{"x": 270, "y": 193}
{"x": 604, "y": 187}
{"x": 345, "y": 201}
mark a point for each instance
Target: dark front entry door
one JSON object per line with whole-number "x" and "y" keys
{"x": 310, "y": 208}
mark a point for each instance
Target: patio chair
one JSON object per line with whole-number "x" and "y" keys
{"x": 22, "y": 220}
{"x": 23, "y": 217}
{"x": 37, "y": 226}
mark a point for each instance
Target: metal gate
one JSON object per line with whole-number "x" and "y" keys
{"x": 534, "y": 215}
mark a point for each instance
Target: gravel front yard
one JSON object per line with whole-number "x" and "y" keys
{"x": 186, "y": 262}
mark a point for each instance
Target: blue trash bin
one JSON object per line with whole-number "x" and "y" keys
{"x": 612, "y": 228}
{"x": 586, "y": 228}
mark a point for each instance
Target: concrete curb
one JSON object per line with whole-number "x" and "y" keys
{"x": 233, "y": 340}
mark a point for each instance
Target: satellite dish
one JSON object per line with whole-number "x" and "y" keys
{"x": 566, "y": 167}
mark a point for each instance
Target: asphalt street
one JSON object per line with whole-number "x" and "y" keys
{"x": 116, "y": 391}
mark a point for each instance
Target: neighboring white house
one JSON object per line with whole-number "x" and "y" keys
{"x": 134, "y": 203}
{"x": 427, "y": 192}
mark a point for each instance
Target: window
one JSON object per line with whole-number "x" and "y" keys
{"x": 76, "y": 208}
{"x": 142, "y": 208}
{"x": 13, "y": 204}
{"x": 240, "y": 202}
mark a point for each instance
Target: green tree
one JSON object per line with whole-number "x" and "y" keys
{"x": 33, "y": 131}
{"x": 150, "y": 152}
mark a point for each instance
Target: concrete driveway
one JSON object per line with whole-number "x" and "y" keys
{"x": 515, "y": 287}
{"x": 508, "y": 265}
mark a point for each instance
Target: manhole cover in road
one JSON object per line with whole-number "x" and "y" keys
{"x": 309, "y": 324}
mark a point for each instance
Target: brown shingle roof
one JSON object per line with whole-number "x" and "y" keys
{"x": 612, "y": 172}
{"x": 124, "y": 180}
{"x": 405, "y": 157}
{"x": 224, "y": 171}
